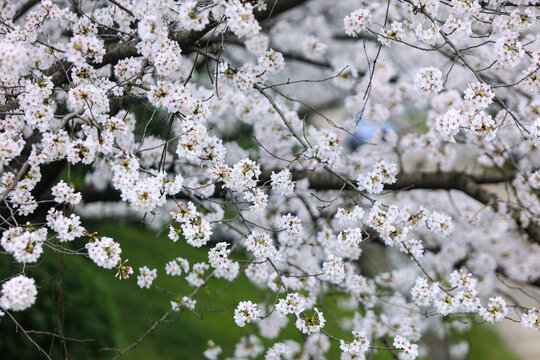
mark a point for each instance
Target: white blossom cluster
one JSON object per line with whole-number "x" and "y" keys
{"x": 334, "y": 270}
{"x": 18, "y": 293}
{"x": 261, "y": 245}
{"x": 65, "y": 194}
{"x": 215, "y": 120}
{"x": 105, "y": 252}
{"x": 196, "y": 276}
{"x": 356, "y": 21}
{"x": 461, "y": 297}
{"x": 326, "y": 150}
{"x": 311, "y": 324}
{"x": 531, "y": 319}
{"x": 282, "y": 181}
{"x": 195, "y": 229}
{"x": 146, "y": 277}
{"x": 218, "y": 256}
{"x": 184, "y": 302}
{"x": 213, "y": 351}
{"x": 495, "y": 310}
{"x": 350, "y": 216}
{"x": 25, "y": 244}
{"x": 428, "y": 81}
{"x": 245, "y": 312}
{"x": 176, "y": 266}
{"x": 410, "y": 351}
{"x": 478, "y": 95}
{"x": 294, "y": 303}
{"x": 358, "y": 346}
{"x": 382, "y": 173}
{"x": 67, "y": 228}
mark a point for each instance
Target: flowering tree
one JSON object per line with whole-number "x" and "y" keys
{"x": 208, "y": 119}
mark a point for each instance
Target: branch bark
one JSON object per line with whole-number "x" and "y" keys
{"x": 468, "y": 184}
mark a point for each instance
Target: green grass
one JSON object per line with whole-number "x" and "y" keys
{"x": 117, "y": 312}
{"x": 187, "y": 335}
{"x": 487, "y": 344}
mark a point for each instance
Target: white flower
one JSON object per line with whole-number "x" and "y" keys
{"x": 191, "y": 18}
{"x": 326, "y": 149}
{"x": 509, "y": 51}
{"x": 292, "y": 304}
{"x": 104, "y": 252}
{"x": 291, "y": 224}
{"x": 313, "y": 48}
{"x": 89, "y": 98}
{"x": 257, "y": 44}
{"x": 248, "y": 346}
{"x": 428, "y": 81}
{"x": 282, "y": 182}
{"x": 26, "y": 244}
{"x": 448, "y": 304}
{"x": 258, "y": 198}
{"x": 175, "y": 267}
{"x": 310, "y": 324}
{"x": 358, "y": 346}
{"x": 381, "y": 173}
{"x": 334, "y": 269}
{"x": 81, "y": 48}
{"x": 350, "y": 216}
{"x": 245, "y": 312}
{"x": 447, "y": 125}
{"x": 462, "y": 280}
{"x": 193, "y": 226}
{"x": 395, "y": 32}
{"x": 412, "y": 247}
{"x": 68, "y": 228}
{"x": 410, "y": 351}
{"x": 422, "y": 293}
{"x": 482, "y": 124}
{"x": 495, "y": 311}
{"x": 534, "y": 179}
{"x": 196, "y": 276}
{"x": 185, "y": 302}
{"x": 261, "y": 245}
{"x": 240, "y": 19}
{"x": 466, "y": 7}
{"x": 531, "y": 319}
{"x": 356, "y": 21}
{"x": 218, "y": 256}
{"x": 429, "y": 35}
{"x": 243, "y": 175}
{"x": 18, "y": 293}
{"x": 146, "y": 277}
{"x": 478, "y": 95}
{"x": 271, "y": 62}
{"x": 440, "y": 223}
{"x": 65, "y": 194}
{"x": 173, "y": 187}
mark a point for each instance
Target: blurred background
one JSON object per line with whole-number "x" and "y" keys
{"x": 101, "y": 311}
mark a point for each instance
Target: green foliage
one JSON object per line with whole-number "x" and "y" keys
{"x": 88, "y": 308}
{"x": 117, "y": 312}
{"x": 486, "y": 344}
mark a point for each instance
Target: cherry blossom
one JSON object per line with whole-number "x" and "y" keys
{"x": 386, "y": 151}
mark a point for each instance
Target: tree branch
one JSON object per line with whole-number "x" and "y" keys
{"x": 468, "y": 184}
